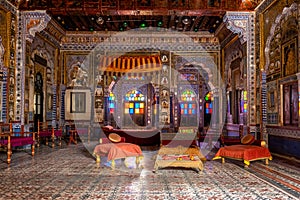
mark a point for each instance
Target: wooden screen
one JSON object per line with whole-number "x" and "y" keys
{"x": 291, "y": 106}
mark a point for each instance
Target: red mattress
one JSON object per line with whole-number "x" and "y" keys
{"x": 118, "y": 150}
{"x": 244, "y": 152}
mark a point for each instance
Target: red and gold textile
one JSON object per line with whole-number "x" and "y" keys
{"x": 118, "y": 150}
{"x": 244, "y": 152}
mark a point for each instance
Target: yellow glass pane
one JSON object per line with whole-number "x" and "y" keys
{"x": 137, "y": 110}
{"x": 131, "y": 105}
{"x": 141, "y": 105}
{"x": 126, "y": 111}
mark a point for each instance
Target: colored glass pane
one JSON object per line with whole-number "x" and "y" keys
{"x": 130, "y": 110}
{"x": 188, "y": 95}
{"x": 136, "y": 105}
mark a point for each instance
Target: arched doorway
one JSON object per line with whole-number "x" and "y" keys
{"x": 188, "y": 108}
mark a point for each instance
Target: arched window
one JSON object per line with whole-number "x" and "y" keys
{"x": 188, "y": 108}
{"x": 134, "y": 108}
{"x": 208, "y": 108}
{"x": 208, "y": 103}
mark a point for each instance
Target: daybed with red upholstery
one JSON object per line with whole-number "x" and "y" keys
{"x": 245, "y": 151}
{"x": 115, "y": 147}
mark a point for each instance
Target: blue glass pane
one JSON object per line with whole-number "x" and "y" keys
{"x": 182, "y": 106}
{"x": 193, "y": 111}
{"x": 206, "y": 110}
{"x": 130, "y": 110}
{"x": 111, "y": 105}
{"x": 137, "y": 105}
{"x": 190, "y": 105}
{"x": 185, "y": 111}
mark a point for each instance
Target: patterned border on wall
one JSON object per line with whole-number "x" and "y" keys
{"x": 284, "y": 132}
{"x": 132, "y": 40}
{"x": 264, "y": 5}
{"x": 243, "y": 24}
{"x": 29, "y": 23}
{"x": 7, "y": 5}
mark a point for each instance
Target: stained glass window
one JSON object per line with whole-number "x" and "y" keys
{"x": 244, "y": 101}
{"x": 111, "y": 102}
{"x": 188, "y": 105}
{"x": 135, "y": 102}
{"x": 208, "y": 104}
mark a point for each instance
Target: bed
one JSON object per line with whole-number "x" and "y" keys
{"x": 247, "y": 153}
{"x": 180, "y": 156}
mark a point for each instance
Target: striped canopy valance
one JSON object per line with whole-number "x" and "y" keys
{"x": 131, "y": 64}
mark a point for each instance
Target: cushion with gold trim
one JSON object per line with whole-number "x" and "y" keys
{"x": 247, "y": 139}
{"x": 114, "y": 137}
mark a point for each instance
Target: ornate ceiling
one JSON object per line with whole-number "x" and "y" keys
{"x": 121, "y": 15}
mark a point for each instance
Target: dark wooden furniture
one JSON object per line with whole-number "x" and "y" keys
{"x": 77, "y": 131}
{"x": 10, "y": 139}
{"x": 46, "y": 132}
{"x": 231, "y": 134}
{"x": 143, "y": 137}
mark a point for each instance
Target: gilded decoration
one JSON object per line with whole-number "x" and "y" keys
{"x": 289, "y": 58}
{"x": 34, "y": 22}
{"x": 272, "y": 97}
{"x": 275, "y": 36}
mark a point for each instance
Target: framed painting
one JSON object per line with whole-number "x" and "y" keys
{"x": 78, "y": 104}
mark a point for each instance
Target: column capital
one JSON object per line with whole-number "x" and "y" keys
{"x": 34, "y": 21}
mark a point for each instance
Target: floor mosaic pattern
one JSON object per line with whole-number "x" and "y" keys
{"x": 70, "y": 172}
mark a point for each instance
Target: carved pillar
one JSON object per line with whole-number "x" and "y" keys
{"x": 243, "y": 23}
{"x": 263, "y": 96}
{"x": 298, "y": 78}
{"x": 29, "y": 23}
{"x": 229, "y": 115}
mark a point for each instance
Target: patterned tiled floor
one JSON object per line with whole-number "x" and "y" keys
{"x": 70, "y": 172}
